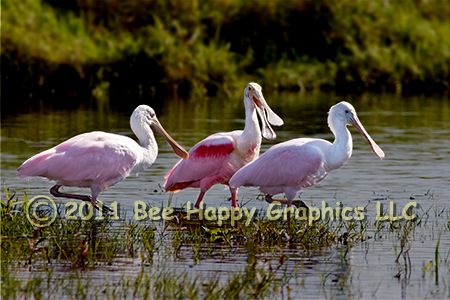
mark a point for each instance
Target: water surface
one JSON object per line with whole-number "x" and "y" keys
{"x": 414, "y": 133}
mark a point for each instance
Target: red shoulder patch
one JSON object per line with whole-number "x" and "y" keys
{"x": 213, "y": 150}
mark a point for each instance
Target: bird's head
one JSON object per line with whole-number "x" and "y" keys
{"x": 344, "y": 112}
{"x": 144, "y": 118}
{"x": 254, "y": 94}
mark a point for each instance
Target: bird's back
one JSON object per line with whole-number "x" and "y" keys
{"x": 38, "y": 164}
{"x": 90, "y": 157}
{"x": 291, "y": 163}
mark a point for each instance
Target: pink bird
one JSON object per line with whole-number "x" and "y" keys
{"x": 301, "y": 163}
{"x": 215, "y": 159}
{"x": 98, "y": 160}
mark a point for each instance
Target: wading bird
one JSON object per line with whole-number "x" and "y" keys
{"x": 301, "y": 163}
{"x": 215, "y": 159}
{"x": 98, "y": 160}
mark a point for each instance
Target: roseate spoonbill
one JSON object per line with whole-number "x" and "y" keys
{"x": 215, "y": 159}
{"x": 301, "y": 163}
{"x": 98, "y": 160}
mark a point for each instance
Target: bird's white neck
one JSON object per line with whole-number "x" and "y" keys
{"x": 251, "y": 130}
{"x": 148, "y": 143}
{"x": 147, "y": 138}
{"x": 249, "y": 142}
{"x": 341, "y": 149}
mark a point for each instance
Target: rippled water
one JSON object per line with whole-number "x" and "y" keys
{"x": 414, "y": 133}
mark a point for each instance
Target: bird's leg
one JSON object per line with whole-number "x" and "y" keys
{"x": 200, "y": 198}
{"x": 269, "y": 199}
{"x": 104, "y": 207}
{"x": 233, "y": 197}
{"x": 297, "y": 203}
{"x": 205, "y": 185}
{"x": 289, "y": 213}
{"x": 55, "y": 192}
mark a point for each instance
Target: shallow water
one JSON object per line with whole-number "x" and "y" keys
{"x": 414, "y": 133}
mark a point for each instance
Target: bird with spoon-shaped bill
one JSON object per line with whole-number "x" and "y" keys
{"x": 301, "y": 163}
{"x": 98, "y": 160}
{"x": 215, "y": 159}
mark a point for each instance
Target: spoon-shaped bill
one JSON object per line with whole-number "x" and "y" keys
{"x": 266, "y": 131}
{"x": 272, "y": 117}
{"x": 266, "y": 115}
{"x": 375, "y": 148}
{"x": 176, "y": 148}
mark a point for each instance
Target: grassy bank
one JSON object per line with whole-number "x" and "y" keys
{"x": 151, "y": 48}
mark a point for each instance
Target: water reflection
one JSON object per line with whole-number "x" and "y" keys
{"x": 414, "y": 132}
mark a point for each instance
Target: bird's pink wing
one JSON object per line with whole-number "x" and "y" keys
{"x": 99, "y": 157}
{"x": 285, "y": 164}
{"x": 38, "y": 164}
{"x": 205, "y": 160}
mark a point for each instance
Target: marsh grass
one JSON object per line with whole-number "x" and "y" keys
{"x": 148, "y": 259}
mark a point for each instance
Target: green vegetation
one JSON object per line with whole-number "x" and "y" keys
{"x": 126, "y": 258}
{"x": 149, "y": 48}
{"x": 87, "y": 246}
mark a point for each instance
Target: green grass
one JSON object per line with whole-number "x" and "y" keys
{"x": 145, "y": 259}
{"x": 150, "y": 47}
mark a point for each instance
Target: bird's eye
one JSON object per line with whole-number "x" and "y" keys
{"x": 346, "y": 111}
{"x": 249, "y": 88}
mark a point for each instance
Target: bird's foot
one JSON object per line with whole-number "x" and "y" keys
{"x": 269, "y": 199}
{"x": 100, "y": 206}
{"x": 282, "y": 201}
{"x": 297, "y": 203}
{"x": 105, "y": 209}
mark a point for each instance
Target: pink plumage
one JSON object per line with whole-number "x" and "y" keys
{"x": 210, "y": 162}
{"x": 95, "y": 160}
{"x": 98, "y": 160}
{"x": 301, "y": 163}
{"x": 285, "y": 168}
{"x": 215, "y": 159}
